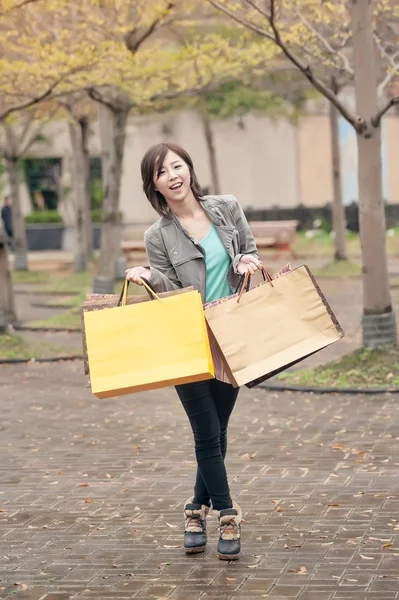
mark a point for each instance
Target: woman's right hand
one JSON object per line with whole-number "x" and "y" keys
{"x": 134, "y": 275}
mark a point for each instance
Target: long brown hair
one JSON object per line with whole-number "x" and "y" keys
{"x": 152, "y": 163}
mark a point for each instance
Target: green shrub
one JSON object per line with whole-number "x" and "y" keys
{"x": 44, "y": 216}
{"x": 97, "y": 215}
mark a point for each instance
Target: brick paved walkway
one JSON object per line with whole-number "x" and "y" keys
{"x": 91, "y": 495}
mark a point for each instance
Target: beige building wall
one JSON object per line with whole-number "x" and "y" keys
{"x": 392, "y": 145}
{"x": 182, "y": 128}
{"x": 314, "y": 151}
{"x": 264, "y": 163}
{"x": 257, "y": 161}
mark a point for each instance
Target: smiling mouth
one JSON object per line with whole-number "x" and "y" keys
{"x": 177, "y": 186}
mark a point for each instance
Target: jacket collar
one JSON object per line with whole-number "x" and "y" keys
{"x": 212, "y": 212}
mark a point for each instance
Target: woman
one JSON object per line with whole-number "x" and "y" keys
{"x": 204, "y": 242}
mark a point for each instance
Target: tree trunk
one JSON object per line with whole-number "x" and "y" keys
{"x": 7, "y": 302}
{"x": 79, "y": 190}
{"x": 106, "y": 133}
{"x": 113, "y": 129}
{"x": 84, "y": 133}
{"x": 338, "y": 210}
{"x": 20, "y": 241}
{"x": 209, "y": 138}
{"x": 378, "y": 319}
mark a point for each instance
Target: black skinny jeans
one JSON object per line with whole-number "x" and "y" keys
{"x": 208, "y": 405}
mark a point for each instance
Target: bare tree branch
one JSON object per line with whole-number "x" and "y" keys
{"x": 355, "y": 120}
{"x": 186, "y": 94}
{"x": 11, "y": 149}
{"x": 345, "y": 61}
{"x": 377, "y": 119}
{"x": 242, "y": 21}
{"x": 25, "y": 130}
{"x": 31, "y": 102}
{"x": 37, "y": 131}
{"x": 258, "y": 8}
{"x": 94, "y": 94}
{"x": 392, "y": 61}
{"x": 388, "y": 78}
{"x": 138, "y": 35}
{"x": 23, "y": 3}
{"x": 20, "y": 5}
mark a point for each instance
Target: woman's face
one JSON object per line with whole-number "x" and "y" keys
{"x": 174, "y": 179}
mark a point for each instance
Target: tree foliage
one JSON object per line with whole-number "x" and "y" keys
{"x": 316, "y": 37}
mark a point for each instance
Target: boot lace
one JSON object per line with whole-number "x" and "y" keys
{"x": 194, "y": 521}
{"x": 229, "y": 527}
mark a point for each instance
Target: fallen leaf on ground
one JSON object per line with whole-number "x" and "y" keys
{"x": 302, "y": 571}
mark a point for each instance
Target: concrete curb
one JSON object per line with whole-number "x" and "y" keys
{"x": 14, "y": 361}
{"x": 46, "y": 293}
{"x": 50, "y": 329}
{"x": 51, "y": 306}
{"x": 327, "y": 390}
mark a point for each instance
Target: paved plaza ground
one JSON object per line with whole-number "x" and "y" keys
{"x": 92, "y": 491}
{"x": 92, "y": 494}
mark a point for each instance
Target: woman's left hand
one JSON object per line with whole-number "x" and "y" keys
{"x": 249, "y": 264}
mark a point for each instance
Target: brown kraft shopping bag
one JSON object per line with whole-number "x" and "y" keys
{"x": 273, "y": 326}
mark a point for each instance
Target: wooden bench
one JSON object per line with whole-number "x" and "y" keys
{"x": 134, "y": 240}
{"x": 278, "y": 235}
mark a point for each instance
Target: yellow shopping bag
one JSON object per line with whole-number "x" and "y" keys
{"x": 148, "y": 345}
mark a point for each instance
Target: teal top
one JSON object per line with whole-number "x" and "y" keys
{"x": 217, "y": 265}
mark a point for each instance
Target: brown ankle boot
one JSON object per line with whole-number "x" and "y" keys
{"x": 195, "y": 526}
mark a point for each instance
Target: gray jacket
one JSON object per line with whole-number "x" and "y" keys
{"x": 177, "y": 260}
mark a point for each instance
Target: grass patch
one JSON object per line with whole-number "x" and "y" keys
{"x": 30, "y": 276}
{"x": 13, "y": 346}
{"x": 70, "y": 318}
{"x": 67, "y": 319}
{"x": 72, "y": 282}
{"x": 339, "y": 268}
{"x": 77, "y": 283}
{"x": 62, "y": 301}
{"x": 323, "y": 244}
{"x": 363, "y": 368}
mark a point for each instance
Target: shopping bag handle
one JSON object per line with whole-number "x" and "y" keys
{"x": 123, "y": 294}
{"x": 245, "y": 282}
